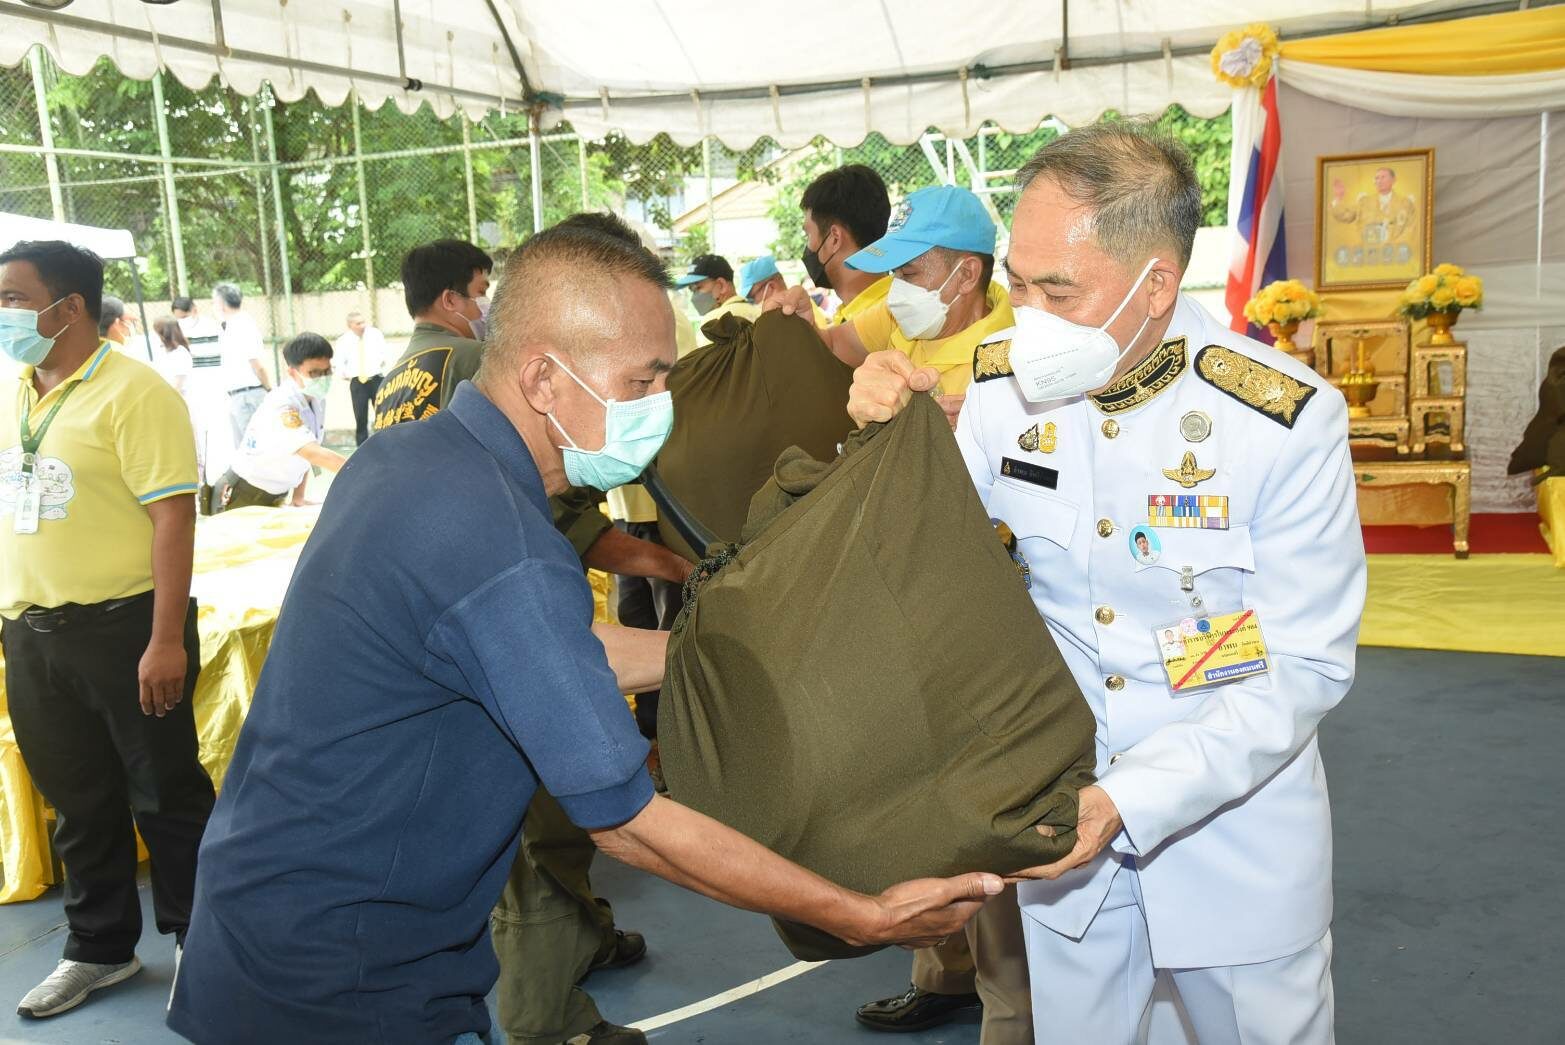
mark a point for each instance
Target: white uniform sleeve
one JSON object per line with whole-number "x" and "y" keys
{"x": 287, "y": 429}
{"x": 1308, "y": 591}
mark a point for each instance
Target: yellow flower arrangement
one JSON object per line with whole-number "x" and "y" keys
{"x": 1447, "y": 289}
{"x": 1244, "y": 57}
{"x": 1284, "y": 301}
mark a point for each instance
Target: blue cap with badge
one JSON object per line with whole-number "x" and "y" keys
{"x": 753, "y": 272}
{"x": 940, "y": 216}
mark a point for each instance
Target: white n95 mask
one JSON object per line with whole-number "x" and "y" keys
{"x": 1053, "y": 358}
{"x": 919, "y": 312}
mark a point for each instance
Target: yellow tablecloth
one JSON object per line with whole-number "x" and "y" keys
{"x": 244, "y": 560}
{"x": 1551, "y": 512}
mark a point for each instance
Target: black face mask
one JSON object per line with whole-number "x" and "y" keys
{"x": 815, "y": 266}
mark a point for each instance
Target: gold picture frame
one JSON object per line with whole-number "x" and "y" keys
{"x": 1374, "y": 219}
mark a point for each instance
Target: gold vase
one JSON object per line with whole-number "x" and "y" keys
{"x": 1440, "y": 324}
{"x": 1283, "y": 332}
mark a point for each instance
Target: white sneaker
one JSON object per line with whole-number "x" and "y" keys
{"x": 70, "y": 983}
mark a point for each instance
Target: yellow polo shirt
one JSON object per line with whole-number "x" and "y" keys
{"x": 121, "y": 441}
{"x": 952, "y": 356}
{"x": 868, "y": 298}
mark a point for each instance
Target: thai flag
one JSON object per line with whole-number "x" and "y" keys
{"x": 1255, "y": 206}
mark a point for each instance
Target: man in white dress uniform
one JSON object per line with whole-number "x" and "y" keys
{"x": 1204, "y": 853}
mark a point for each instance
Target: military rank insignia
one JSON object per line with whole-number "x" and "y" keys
{"x": 1188, "y": 511}
{"x": 1035, "y": 440}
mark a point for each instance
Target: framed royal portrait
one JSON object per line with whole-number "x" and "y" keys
{"x": 1374, "y": 219}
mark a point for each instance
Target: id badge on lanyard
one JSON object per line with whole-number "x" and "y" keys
{"x": 29, "y": 501}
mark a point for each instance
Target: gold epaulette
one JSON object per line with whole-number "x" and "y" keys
{"x": 1256, "y": 385}
{"x": 992, "y": 360}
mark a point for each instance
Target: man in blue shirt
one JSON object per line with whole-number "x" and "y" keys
{"x": 403, "y": 721}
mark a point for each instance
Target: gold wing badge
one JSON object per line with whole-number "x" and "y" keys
{"x": 1188, "y": 474}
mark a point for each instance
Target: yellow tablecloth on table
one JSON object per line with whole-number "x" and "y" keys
{"x": 1551, "y": 512}
{"x": 244, "y": 560}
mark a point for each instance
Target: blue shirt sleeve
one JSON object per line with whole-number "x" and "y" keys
{"x": 521, "y": 644}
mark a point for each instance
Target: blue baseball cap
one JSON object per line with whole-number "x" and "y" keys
{"x": 753, "y": 272}
{"x": 941, "y": 216}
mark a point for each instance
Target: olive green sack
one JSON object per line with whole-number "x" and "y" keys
{"x": 866, "y": 687}
{"x": 756, "y": 390}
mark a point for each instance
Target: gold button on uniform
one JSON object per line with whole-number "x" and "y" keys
{"x": 1115, "y": 682}
{"x": 1105, "y": 615}
{"x": 1110, "y": 428}
{"x": 1105, "y": 528}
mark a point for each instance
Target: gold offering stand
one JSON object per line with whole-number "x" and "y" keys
{"x": 1403, "y": 403}
{"x": 1368, "y": 361}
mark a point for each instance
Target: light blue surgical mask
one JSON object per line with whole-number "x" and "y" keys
{"x": 19, "y": 337}
{"x": 633, "y": 433}
{"x": 318, "y": 386}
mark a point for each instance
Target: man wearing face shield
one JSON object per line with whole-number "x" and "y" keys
{"x": 1203, "y": 861}
{"x": 939, "y": 250}
{"x": 712, "y": 293}
{"x": 403, "y": 724}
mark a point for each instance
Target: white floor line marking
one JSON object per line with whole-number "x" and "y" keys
{"x": 717, "y": 1001}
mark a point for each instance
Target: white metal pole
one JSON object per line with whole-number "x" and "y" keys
{"x": 467, "y": 173}
{"x": 364, "y": 214}
{"x": 171, "y": 198}
{"x": 282, "y": 225}
{"x": 1543, "y": 184}
{"x": 711, "y": 207}
{"x": 46, "y": 134}
{"x": 535, "y": 152}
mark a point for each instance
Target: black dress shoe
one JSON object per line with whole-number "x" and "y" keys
{"x": 606, "y": 1033}
{"x": 915, "y": 1010}
{"x": 627, "y": 949}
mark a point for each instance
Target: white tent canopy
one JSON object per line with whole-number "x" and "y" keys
{"x": 738, "y": 71}
{"x": 109, "y": 244}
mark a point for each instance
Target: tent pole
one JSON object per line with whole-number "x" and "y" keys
{"x": 171, "y": 198}
{"x": 535, "y": 154}
{"x": 364, "y": 212}
{"x": 711, "y": 207}
{"x": 467, "y": 173}
{"x": 260, "y": 218}
{"x": 282, "y": 225}
{"x": 46, "y": 134}
{"x": 1543, "y": 184}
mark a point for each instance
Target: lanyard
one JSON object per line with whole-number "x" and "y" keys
{"x": 31, "y": 441}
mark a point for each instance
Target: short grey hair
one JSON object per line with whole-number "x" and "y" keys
{"x": 1138, "y": 182}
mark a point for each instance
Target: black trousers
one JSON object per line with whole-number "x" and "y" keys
{"x": 651, "y": 603}
{"x": 75, "y": 705}
{"x": 363, "y": 393}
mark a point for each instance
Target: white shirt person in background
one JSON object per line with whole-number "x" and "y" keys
{"x": 239, "y": 340}
{"x": 361, "y": 352}
{"x": 283, "y": 439}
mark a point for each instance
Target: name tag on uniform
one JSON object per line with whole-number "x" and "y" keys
{"x": 1204, "y": 651}
{"x": 1028, "y": 472}
{"x": 29, "y": 502}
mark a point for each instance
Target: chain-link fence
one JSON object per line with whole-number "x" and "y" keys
{"x": 311, "y": 208}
